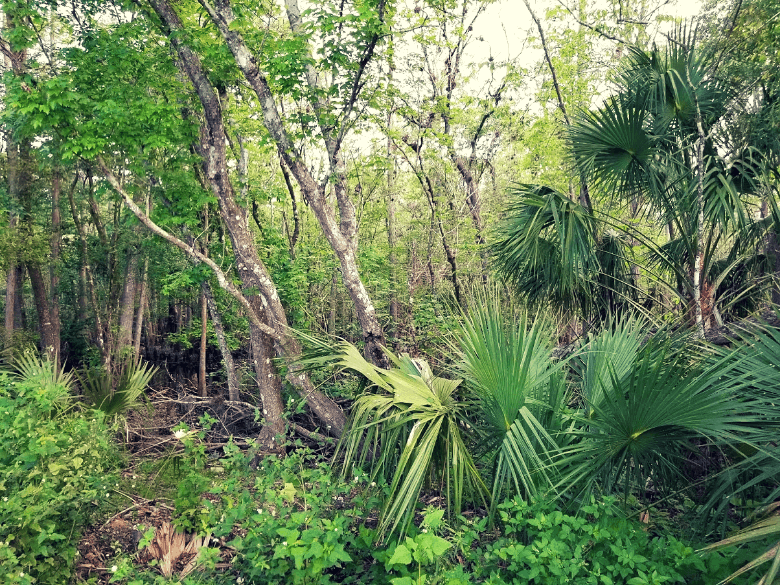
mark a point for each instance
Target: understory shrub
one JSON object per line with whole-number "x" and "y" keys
{"x": 542, "y": 545}
{"x": 294, "y": 520}
{"x": 53, "y": 462}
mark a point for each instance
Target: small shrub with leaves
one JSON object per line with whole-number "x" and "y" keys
{"x": 53, "y": 462}
{"x": 600, "y": 546}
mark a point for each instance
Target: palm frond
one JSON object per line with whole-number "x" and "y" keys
{"x": 115, "y": 393}
{"x": 406, "y": 427}
{"x": 510, "y": 370}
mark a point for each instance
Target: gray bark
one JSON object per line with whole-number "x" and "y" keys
{"x": 341, "y": 234}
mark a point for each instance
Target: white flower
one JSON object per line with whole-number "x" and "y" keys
{"x": 180, "y": 434}
{"x": 5, "y": 498}
{"x": 239, "y": 580}
{"x": 373, "y": 484}
{"x": 21, "y": 574}
{"x": 285, "y": 543}
{"x": 425, "y": 530}
{"x": 259, "y": 510}
{"x": 113, "y": 569}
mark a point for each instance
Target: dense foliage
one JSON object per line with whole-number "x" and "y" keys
{"x": 500, "y": 309}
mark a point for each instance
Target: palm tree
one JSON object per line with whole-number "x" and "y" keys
{"x": 553, "y": 250}
{"x": 660, "y": 144}
{"x": 661, "y": 141}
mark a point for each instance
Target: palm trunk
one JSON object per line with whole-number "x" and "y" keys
{"x": 699, "y": 252}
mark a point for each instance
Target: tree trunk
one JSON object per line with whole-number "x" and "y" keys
{"x": 139, "y": 316}
{"x": 251, "y": 270}
{"x": 698, "y": 276}
{"x": 124, "y": 339}
{"x": 342, "y": 234}
{"x": 203, "y": 339}
{"x": 11, "y": 296}
{"x": 219, "y": 331}
{"x": 87, "y": 280}
{"x": 54, "y": 267}
{"x": 48, "y": 337}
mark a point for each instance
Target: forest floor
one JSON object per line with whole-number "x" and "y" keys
{"x": 143, "y": 497}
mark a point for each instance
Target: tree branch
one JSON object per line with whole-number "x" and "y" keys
{"x": 195, "y": 255}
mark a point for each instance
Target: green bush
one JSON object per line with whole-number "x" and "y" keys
{"x": 53, "y": 461}
{"x": 541, "y": 545}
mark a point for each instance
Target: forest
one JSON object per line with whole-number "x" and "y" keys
{"x": 400, "y": 292}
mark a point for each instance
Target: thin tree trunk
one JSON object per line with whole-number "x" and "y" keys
{"x": 204, "y": 315}
{"x": 391, "y": 220}
{"x": 11, "y": 294}
{"x": 699, "y": 252}
{"x": 219, "y": 331}
{"x": 292, "y": 237}
{"x": 139, "y": 317}
{"x": 332, "y": 305}
{"x": 584, "y": 192}
{"x": 54, "y": 268}
{"x": 88, "y": 281}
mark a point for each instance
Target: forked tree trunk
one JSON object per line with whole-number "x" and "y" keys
{"x": 269, "y": 315}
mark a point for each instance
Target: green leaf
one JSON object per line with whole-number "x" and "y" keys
{"x": 401, "y": 556}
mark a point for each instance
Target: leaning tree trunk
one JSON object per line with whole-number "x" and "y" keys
{"x": 342, "y": 233}
{"x": 269, "y": 315}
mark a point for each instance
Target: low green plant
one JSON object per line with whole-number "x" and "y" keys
{"x": 764, "y": 530}
{"x": 53, "y": 463}
{"x": 116, "y": 392}
{"x": 416, "y": 559}
{"x": 407, "y": 427}
{"x": 600, "y": 546}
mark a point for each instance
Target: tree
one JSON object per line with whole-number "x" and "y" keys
{"x": 333, "y": 111}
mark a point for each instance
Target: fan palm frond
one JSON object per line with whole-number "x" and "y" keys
{"x": 406, "y": 427}
{"x": 519, "y": 392}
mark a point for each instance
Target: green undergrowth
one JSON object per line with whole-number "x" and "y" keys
{"x": 56, "y": 463}
{"x": 293, "y": 520}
